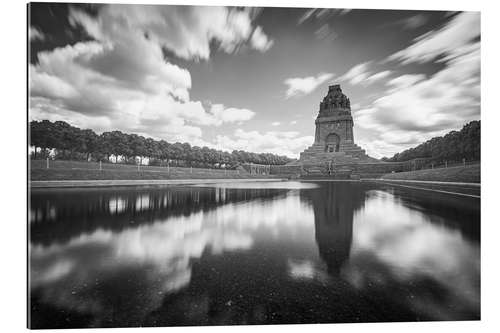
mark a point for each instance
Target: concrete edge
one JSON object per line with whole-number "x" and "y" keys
{"x": 139, "y": 182}
{"x": 430, "y": 182}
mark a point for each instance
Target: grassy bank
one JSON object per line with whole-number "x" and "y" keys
{"x": 75, "y": 170}
{"x": 466, "y": 174}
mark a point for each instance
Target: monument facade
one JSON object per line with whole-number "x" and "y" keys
{"x": 334, "y": 137}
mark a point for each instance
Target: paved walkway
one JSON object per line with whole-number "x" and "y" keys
{"x": 141, "y": 182}
{"x": 471, "y": 190}
{"x": 430, "y": 182}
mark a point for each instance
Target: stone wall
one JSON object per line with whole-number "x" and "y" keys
{"x": 286, "y": 170}
{"x": 364, "y": 170}
{"x": 342, "y": 127}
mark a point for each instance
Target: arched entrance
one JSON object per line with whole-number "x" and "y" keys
{"x": 332, "y": 143}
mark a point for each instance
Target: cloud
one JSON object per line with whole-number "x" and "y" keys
{"x": 449, "y": 41}
{"x": 356, "y": 74}
{"x": 321, "y": 14}
{"x": 307, "y": 14}
{"x": 417, "y": 107}
{"x": 130, "y": 93}
{"x": 361, "y": 74}
{"x": 448, "y": 96}
{"x": 378, "y": 76}
{"x": 187, "y": 31}
{"x": 220, "y": 114}
{"x": 36, "y": 34}
{"x": 282, "y": 143}
{"x": 306, "y": 85}
{"x": 122, "y": 80}
{"x": 51, "y": 86}
{"x": 406, "y": 80}
{"x": 44, "y": 108}
{"x": 415, "y": 21}
{"x": 260, "y": 41}
{"x": 276, "y": 123}
{"x": 412, "y": 22}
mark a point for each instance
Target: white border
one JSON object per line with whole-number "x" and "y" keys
{"x": 13, "y": 92}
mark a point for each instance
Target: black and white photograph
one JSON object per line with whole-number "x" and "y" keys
{"x": 211, "y": 165}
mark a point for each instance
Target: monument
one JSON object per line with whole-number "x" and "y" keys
{"x": 334, "y": 137}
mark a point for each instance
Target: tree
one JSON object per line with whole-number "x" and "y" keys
{"x": 72, "y": 142}
{"x": 454, "y": 146}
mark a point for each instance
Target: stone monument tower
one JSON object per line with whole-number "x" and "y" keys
{"x": 334, "y": 121}
{"x": 334, "y": 138}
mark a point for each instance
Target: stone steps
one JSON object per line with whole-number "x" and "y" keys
{"x": 345, "y": 149}
{"x": 346, "y": 159}
{"x": 335, "y": 174}
{"x": 316, "y": 161}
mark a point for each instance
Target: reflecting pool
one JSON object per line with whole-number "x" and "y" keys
{"x": 252, "y": 253}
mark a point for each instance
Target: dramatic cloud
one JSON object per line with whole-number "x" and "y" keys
{"x": 123, "y": 79}
{"x": 361, "y": 74}
{"x": 378, "y": 76}
{"x": 412, "y": 22}
{"x": 417, "y": 107}
{"x": 260, "y": 41}
{"x": 405, "y": 81}
{"x": 321, "y": 14}
{"x": 415, "y": 21}
{"x": 282, "y": 143}
{"x": 36, "y": 34}
{"x": 190, "y": 73}
{"x": 356, "y": 74}
{"x": 306, "y": 85}
{"x": 186, "y": 31}
{"x": 219, "y": 114}
{"x": 451, "y": 40}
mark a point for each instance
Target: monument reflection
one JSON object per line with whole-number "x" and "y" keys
{"x": 334, "y": 208}
{"x": 250, "y": 254}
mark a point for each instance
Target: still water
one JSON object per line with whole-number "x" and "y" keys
{"x": 285, "y": 252}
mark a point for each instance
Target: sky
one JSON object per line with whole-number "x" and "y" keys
{"x": 252, "y": 78}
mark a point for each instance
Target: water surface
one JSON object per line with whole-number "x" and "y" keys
{"x": 252, "y": 253}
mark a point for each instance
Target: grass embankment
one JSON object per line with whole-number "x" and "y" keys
{"x": 465, "y": 174}
{"x": 74, "y": 170}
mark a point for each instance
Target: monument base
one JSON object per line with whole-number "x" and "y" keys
{"x": 315, "y": 162}
{"x": 348, "y": 153}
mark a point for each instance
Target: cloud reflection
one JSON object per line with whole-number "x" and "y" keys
{"x": 164, "y": 250}
{"x": 306, "y": 270}
{"x": 393, "y": 243}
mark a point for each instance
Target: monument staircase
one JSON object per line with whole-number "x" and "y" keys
{"x": 318, "y": 163}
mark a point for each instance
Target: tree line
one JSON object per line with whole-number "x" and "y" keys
{"x": 454, "y": 146}
{"x": 60, "y": 140}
